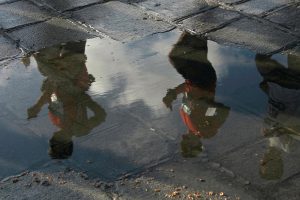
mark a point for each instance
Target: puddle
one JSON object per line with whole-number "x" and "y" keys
{"x": 110, "y": 108}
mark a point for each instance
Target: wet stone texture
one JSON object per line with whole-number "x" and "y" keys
{"x": 6, "y": 1}
{"x": 288, "y": 189}
{"x": 67, "y": 5}
{"x": 120, "y": 21}
{"x": 288, "y": 17}
{"x": 257, "y": 7}
{"x": 247, "y": 162}
{"x": 209, "y": 20}
{"x": 174, "y": 9}
{"x": 48, "y": 33}
{"x": 20, "y": 13}
{"x": 254, "y": 35}
{"x": 182, "y": 180}
{"x": 230, "y": 1}
{"x": 7, "y": 49}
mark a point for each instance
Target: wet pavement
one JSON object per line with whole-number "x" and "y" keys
{"x": 150, "y": 99}
{"x": 111, "y": 108}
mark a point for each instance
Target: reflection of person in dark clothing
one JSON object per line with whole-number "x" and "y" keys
{"x": 64, "y": 90}
{"x": 282, "y": 123}
{"x": 199, "y": 111}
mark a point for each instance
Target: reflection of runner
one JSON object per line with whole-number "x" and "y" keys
{"x": 199, "y": 111}
{"x": 282, "y": 124}
{"x": 64, "y": 90}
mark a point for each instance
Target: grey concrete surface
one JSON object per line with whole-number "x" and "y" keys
{"x": 184, "y": 179}
{"x": 209, "y": 20}
{"x": 6, "y": 1}
{"x": 288, "y": 189}
{"x": 68, "y": 4}
{"x": 120, "y": 21}
{"x": 7, "y": 48}
{"x": 230, "y": 1}
{"x": 21, "y": 13}
{"x": 174, "y": 9}
{"x": 51, "y": 185}
{"x": 48, "y": 33}
{"x": 257, "y": 7}
{"x": 254, "y": 35}
{"x": 139, "y": 133}
{"x": 288, "y": 17}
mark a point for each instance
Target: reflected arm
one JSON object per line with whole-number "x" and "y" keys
{"x": 36, "y": 108}
{"x": 172, "y": 95}
{"x": 99, "y": 112}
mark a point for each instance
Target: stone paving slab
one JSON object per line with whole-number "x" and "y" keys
{"x": 191, "y": 179}
{"x": 54, "y": 31}
{"x": 288, "y": 17}
{"x": 258, "y": 36}
{"x": 209, "y": 20}
{"x": 67, "y": 4}
{"x": 257, "y": 7}
{"x": 6, "y": 1}
{"x": 230, "y": 1}
{"x": 279, "y": 165}
{"x": 174, "y": 9}
{"x": 288, "y": 189}
{"x": 20, "y": 13}
{"x": 120, "y": 21}
{"x": 7, "y": 49}
{"x": 69, "y": 185}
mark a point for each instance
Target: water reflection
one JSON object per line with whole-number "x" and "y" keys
{"x": 201, "y": 114}
{"x": 282, "y": 123}
{"x": 64, "y": 90}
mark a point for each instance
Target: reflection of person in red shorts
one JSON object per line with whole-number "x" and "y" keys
{"x": 199, "y": 111}
{"x": 64, "y": 90}
{"x": 282, "y": 122}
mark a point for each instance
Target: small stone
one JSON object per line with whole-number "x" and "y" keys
{"x": 108, "y": 185}
{"x": 15, "y": 180}
{"x": 36, "y": 180}
{"x": 98, "y": 184}
{"x": 201, "y": 180}
{"x": 172, "y": 170}
{"x": 157, "y": 190}
{"x": 221, "y": 194}
{"x": 28, "y": 185}
{"x": 62, "y": 182}
{"x": 84, "y": 176}
{"x": 247, "y": 183}
{"x": 157, "y": 4}
{"x": 45, "y": 183}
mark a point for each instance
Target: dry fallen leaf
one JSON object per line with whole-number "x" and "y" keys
{"x": 210, "y": 193}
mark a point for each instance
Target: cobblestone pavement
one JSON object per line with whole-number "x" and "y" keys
{"x": 264, "y": 26}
